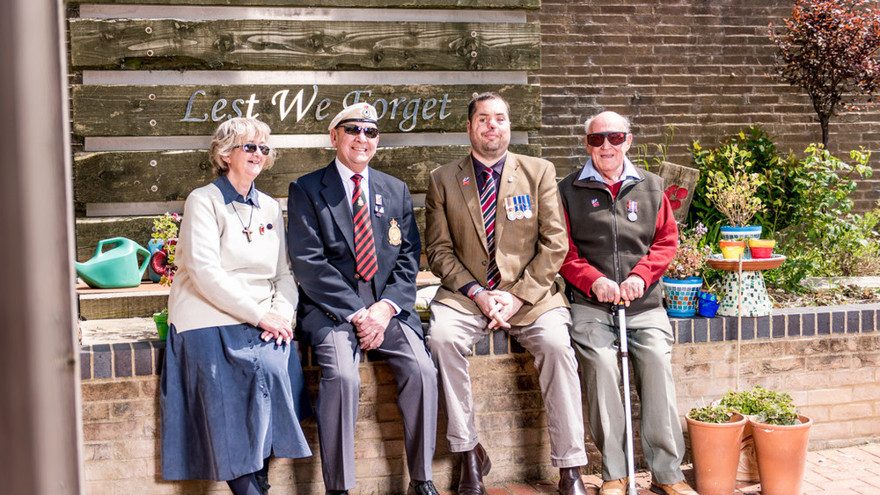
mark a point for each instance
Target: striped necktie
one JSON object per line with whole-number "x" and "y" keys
{"x": 487, "y": 205}
{"x": 364, "y": 247}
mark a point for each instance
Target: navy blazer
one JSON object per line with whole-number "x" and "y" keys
{"x": 320, "y": 240}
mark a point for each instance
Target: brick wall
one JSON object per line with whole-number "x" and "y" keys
{"x": 699, "y": 66}
{"x": 827, "y": 358}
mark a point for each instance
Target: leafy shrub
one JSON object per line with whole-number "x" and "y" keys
{"x": 752, "y": 152}
{"x": 770, "y": 406}
{"x": 807, "y": 207}
{"x": 715, "y": 414}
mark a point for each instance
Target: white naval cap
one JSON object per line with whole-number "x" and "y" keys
{"x": 359, "y": 112}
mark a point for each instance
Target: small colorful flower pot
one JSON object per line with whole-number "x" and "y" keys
{"x": 161, "y": 320}
{"x": 732, "y": 250}
{"x": 707, "y": 304}
{"x": 761, "y": 248}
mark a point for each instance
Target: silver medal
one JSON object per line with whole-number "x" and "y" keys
{"x": 632, "y": 217}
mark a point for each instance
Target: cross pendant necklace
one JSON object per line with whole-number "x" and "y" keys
{"x": 246, "y": 230}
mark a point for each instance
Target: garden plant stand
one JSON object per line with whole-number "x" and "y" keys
{"x": 753, "y": 301}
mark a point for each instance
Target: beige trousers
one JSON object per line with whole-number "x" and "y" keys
{"x": 451, "y": 336}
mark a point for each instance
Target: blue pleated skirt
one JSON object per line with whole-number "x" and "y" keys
{"x": 228, "y": 400}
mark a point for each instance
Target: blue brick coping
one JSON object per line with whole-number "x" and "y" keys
{"x": 144, "y": 358}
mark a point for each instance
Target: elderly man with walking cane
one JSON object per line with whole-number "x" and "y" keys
{"x": 622, "y": 236}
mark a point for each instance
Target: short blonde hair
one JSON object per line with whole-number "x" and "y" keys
{"x": 233, "y": 132}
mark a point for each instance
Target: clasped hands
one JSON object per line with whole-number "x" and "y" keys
{"x": 276, "y": 327}
{"x": 607, "y": 291}
{"x": 370, "y": 324}
{"x": 499, "y": 306}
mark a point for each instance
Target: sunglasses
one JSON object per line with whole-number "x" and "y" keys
{"x": 615, "y": 138}
{"x": 252, "y": 148}
{"x": 354, "y": 130}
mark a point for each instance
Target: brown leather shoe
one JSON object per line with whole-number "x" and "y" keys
{"x": 474, "y": 465}
{"x": 570, "y": 482}
{"x": 680, "y": 488}
{"x": 615, "y": 487}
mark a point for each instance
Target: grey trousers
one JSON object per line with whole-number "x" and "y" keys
{"x": 451, "y": 336}
{"x": 594, "y": 334}
{"x": 338, "y": 393}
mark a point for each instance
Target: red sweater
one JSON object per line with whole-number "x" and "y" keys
{"x": 578, "y": 271}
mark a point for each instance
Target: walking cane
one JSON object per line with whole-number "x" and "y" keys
{"x": 624, "y": 361}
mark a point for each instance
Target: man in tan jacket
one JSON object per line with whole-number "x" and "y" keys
{"x": 499, "y": 271}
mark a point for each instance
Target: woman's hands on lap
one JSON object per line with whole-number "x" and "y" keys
{"x": 276, "y": 327}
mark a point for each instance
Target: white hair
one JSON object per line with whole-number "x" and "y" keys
{"x": 626, "y": 124}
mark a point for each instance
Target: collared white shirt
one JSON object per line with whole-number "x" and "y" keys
{"x": 590, "y": 172}
{"x": 348, "y": 184}
{"x": 346, "y": 174}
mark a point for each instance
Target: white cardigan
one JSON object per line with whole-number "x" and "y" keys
{"x": 222, "y": 279}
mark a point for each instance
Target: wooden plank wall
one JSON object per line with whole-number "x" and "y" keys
{"x": 153, "y": 78}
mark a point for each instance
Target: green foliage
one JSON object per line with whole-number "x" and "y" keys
{"x": 735, "y": 195}
{"x": 642, "y": 150}
{"x": 716, "y": 414}
{"x": 825, "y": 237}
{"x": 690, "y": 255}
{"x": 770, "y": 406}
{"x": 165, "y": 228}
{"x": 830, "y": 49}
{"x": 807, "y": 207}
{"x": 751, "y": 152}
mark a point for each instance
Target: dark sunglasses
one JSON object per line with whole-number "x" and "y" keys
{"x": 354, "y": 130}
{"x": 251, "y": 148}
{"x": 616, "y": 138}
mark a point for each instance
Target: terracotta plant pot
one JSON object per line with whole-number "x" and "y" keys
{"x": 782, "y": 456}
{"x": 748, "y": 460}
{"x": 715, "y": 448}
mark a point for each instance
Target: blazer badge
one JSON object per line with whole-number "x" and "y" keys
{"x": 394, "y": 233}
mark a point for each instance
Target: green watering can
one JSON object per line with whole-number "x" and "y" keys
{"x": 115, "y": 267}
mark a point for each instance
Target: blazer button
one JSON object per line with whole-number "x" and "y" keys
{"x": 485, "y": 262}
{"x": 357, "y": 276}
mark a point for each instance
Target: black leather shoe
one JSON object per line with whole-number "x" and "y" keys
{"x": 421, "y": 488}
{"x": 474, "y": 465}
{"x": 337, "y": 492}
{"x": 570, "y": 482}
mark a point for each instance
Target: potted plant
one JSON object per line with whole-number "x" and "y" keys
{"x": 707, "y": 304}
{"x": 683, "y": 279}
{"x": 715, "y": 433}
{"x": 774, "y": 440}
{"x": 781, "y": 438}
{"x": 735, "y": 196}
{"x": 165, "y": 230}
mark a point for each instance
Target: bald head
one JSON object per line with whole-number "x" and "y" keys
{"x": 608, "y": 147}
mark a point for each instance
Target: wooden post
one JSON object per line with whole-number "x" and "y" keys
{"x": 39, "y": 383}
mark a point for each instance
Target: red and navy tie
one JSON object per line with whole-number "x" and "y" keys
{"x": 487, "y": 204}
{"x": 364, "y": 247}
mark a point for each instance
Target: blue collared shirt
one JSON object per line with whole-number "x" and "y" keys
{"x": 230, "y": 194}
{"x": 590, "y": 173}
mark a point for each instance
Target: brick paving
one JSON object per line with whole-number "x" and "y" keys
{"x": 843, "y": 471}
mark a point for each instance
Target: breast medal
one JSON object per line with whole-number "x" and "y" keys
{"x": 394, "y": 233}
{"x": 510, "y": 208}
{"x": 633, "y": 208}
